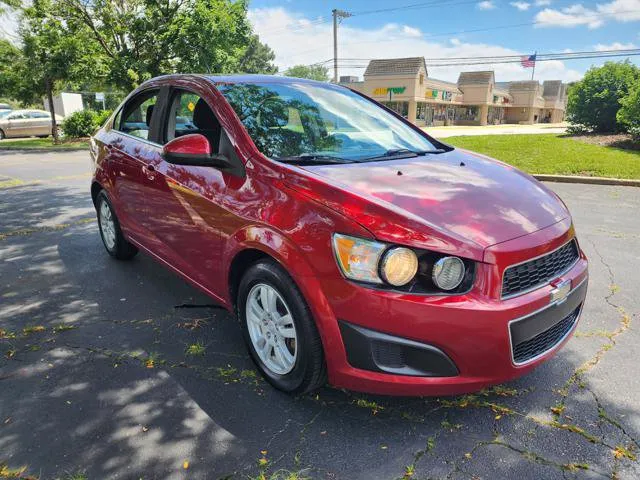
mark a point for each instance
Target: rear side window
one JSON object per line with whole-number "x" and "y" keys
{"x": 136, "y": 116}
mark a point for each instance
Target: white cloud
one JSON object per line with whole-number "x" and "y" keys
{"x": 614, "y": 46}
{"x": 411, "y": 32}
{"x": 578, "y": 14}
{"x": 293, "y": 45}
{"x": 542, "y": 3}
{"x": 486, "y": 5}
{"x": 569, "y": 17}
{"x": 522, "y": 6}
{"x": 621, "y": 10}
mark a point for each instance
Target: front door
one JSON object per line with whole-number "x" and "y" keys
{"x": 184, "y": 210}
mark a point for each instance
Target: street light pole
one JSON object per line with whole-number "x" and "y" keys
{"x": 337, "y": 14}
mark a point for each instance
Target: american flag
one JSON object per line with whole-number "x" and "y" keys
{"x": 528, "y": 61}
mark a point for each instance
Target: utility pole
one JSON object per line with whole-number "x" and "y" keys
{"x": 337, "y": 15}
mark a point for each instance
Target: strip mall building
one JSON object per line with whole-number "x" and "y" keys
{"x": 403, "y": 84}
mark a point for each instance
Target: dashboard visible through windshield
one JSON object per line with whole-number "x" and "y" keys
{"x": 325, "y": 124}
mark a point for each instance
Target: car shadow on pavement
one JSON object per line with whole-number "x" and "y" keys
{"x": 97, "y": 376}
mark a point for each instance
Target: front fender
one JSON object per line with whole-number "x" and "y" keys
{"x": 274, "y": 244}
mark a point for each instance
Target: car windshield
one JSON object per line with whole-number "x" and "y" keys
{"x": 4, "y": 113}
{"x": 326, "y": 124}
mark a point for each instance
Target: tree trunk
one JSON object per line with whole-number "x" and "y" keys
{"x": 52, "y": 110}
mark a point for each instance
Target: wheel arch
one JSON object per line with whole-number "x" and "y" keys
{"x": 95, "y": 190}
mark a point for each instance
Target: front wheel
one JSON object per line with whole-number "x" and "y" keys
{"x": 279, "y": 330}
{"x": 114, "y": 242}
{"x": 2, "y": 135}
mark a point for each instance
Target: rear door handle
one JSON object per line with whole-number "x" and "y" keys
{"x": 149, "y": 171}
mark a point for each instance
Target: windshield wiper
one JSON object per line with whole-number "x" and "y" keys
{"x": 313, "y": 158}
{"x": 404, "y": 153}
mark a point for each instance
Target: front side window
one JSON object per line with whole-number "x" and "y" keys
{"x": 189, "y": 113}
{"x": 137, "y": 115}
{"x": 290, "y": 120}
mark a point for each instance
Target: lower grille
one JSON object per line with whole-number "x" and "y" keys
{"x": 544, "y": 341}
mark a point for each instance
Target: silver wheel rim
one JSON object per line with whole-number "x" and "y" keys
{"x": 107, "y": 226}
{"x": 271, "y": 329}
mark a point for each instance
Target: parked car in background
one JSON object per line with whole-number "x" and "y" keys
{"x": 26, "y": 123}
{"x": 352, "y": 246}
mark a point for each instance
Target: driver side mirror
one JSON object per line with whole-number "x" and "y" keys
{"x": 193, "y": 149}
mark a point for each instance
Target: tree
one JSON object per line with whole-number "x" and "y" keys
{"x": 53, "y": 51}
{"x": 146, "y": 38}
{"x": 9, "y": 54}
{"x": 594, "y": 101}
{"x": 258, "y": 58}
{"x": 312, "y": 72}
{"x": 629, "y": 113}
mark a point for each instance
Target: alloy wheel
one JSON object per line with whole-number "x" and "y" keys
{"x": 271, "y": 329}
{"x": 107, "y": 226}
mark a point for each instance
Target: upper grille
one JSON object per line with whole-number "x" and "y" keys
{"x": 525, "y": 351}
{"x": 537, "y": 272}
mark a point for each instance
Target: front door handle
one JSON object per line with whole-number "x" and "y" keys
{"x": 149, "y": 171}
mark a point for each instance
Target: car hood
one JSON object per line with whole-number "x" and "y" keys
{"x": 461, "y": 193}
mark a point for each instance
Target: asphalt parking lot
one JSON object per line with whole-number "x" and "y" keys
{"x": 97, "y": 377}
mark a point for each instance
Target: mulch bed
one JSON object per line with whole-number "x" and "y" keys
{"x": 615, "y": 140}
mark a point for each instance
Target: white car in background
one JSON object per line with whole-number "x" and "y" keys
{"x": 26, "y": 123}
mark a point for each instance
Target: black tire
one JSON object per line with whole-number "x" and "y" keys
{"x": 122, "y": 249}
{"x": 2, "y": 135}
{"x": 309, "y": 371}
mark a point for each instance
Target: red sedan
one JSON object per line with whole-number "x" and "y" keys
{"x": 353, "y": 247}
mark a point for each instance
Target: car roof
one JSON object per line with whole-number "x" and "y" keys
{"x": 246, "y": 78}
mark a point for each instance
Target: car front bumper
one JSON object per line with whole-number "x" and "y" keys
{"x": 406, "y": 344}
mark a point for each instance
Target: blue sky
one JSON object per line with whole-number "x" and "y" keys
{"x": 295, "y": 31}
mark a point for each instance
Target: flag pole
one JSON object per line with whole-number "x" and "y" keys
{"x": 535, "y": 59}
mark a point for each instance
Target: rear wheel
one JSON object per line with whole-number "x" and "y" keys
{"x": 114, "y": 242}
{"x": 279, "y": 330}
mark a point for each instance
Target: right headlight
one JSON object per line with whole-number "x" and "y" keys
{"x": 448, "y": 273}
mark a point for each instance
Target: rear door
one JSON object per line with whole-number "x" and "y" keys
{"x": 133, "y": 153}
{"x": 18, "y": 126}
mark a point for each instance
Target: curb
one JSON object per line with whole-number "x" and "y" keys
{"x": 588, "y": 180}
{"x": 42, "y": 150}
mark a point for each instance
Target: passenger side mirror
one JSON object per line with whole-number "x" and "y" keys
{"x": 193, "y": 149}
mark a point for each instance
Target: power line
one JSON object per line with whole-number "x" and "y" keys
{"x": 506, "y": 59}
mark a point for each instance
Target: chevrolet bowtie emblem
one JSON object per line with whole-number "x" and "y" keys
{"x": 560, "y": 292}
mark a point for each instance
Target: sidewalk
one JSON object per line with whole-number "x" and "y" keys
{"x": 506, "y": 129}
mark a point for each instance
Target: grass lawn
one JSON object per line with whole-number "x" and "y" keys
{"x": 554, "y": 154}
{"x": 41, "y": 144}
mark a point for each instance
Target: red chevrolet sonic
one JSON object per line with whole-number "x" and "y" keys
{"x": 352, "y": 246}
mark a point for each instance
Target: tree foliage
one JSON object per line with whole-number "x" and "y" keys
{"x": 312, "y": 72}
{"x": 629, "y": 113}
{"x": 53, "y": 51}
{"x": 594, "y": 101}
{"x": 142, "y": 39}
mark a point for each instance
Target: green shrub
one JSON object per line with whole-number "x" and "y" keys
{"x": 83, "y": 123}
{"x": 629, "y": 113}
{"x": 594, "y": 101}
{"x": 102, "y": 116}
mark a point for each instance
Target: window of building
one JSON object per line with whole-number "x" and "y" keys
{"x": 401, "y": 108}
{"x": 421, "y": 78}
{"x": 466, "y": 113}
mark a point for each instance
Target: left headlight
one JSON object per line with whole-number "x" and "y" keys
{"x": 374, "y": 262}
{"x": 358, "y": 258}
